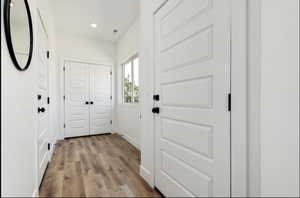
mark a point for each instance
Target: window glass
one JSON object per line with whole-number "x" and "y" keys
{"x": 136, "y": 80}
{"x": 127, "y": 83}
{"x": 131, "y": 81}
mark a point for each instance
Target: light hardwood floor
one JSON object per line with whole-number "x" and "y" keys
{"x": 97, "y": 166}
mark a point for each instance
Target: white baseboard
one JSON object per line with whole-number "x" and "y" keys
{"x": 130, "y": 140}
{"x": 52, "y": 150}
{"x": 35, "y": 193}
{"x": 147, "y": 176}
{"x": 114, "y": 132}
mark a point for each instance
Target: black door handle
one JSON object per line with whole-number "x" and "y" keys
{"x": 41, "y": 110}
{"x": 156, "y": 97}
{"x": 91, "y": 102}
{"x": 86, "y": 102}
{"x": 155, "y": 110}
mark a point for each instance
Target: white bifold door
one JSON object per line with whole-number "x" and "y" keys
{"x": 192, "y": 78}
{"x": 87, "y": 99}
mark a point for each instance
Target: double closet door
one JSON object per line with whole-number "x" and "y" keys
{"x": 87, "y": 99}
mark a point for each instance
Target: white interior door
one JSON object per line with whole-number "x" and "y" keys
{"x": 76, "y": 99}
{"x": 100, "y": 100}
{"x": 192, "y": 77}
{"x": 43, "y": 106}
{"x": 88, "y": 99}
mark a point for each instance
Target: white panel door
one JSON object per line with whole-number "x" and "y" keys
{"x": 192, "y": 77}
{"x": 43, "y": 107}
{"x": 77, "y": 99}
{"x": 100, "y": 100}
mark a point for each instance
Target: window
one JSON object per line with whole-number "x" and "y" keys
{"x": 131, "y": 80}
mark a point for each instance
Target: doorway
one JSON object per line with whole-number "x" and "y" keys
{"x": 43, "y": 137}
{"x": 87, "y": 99}
{"x": 192, "y": 79}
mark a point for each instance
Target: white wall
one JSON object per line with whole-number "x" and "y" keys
{"x": 79, "y": 48}
{"x": 18, "y": 129}
{"x": 253, "y": 114}
{"x": 280, "y": 98}
{"x": 273, "y": 105}
{"x": 127, "y": 120}
{"x": 146, "y": 70}
{"x": 18, "y": 119}
{"x": 82, "y": 48}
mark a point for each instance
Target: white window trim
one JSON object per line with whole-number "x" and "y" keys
{"x": 132, "y": 74}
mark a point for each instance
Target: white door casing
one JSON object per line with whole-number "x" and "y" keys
{"x": 100, "y": 95}
{"x": 87, "y": 99}
{"x": 43, "y": 93}
{"x": 192, "y": 77}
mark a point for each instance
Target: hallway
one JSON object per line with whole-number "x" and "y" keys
{"x": 150, "y": 98}
{"x": 103, "y": 166}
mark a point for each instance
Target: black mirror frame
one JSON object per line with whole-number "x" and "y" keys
{"x": 8, "y": 34}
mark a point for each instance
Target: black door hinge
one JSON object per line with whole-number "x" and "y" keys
{"x": 48, "y": 54}
{"x": 39, "y": 97}
{"x": 111, "y": 73}
{"x": 64, "y": 69}
{"x": 49, "y": 146}
{"x": 111, "y": 122}
{"x": 229, "y": 102}
{"x": 64, "y": 97}
{"x": 48, "y": 100}
{"x": 64, "y": 125}
{"x": 111, "y": 97}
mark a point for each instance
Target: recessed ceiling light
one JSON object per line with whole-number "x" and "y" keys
{"x": 93, "y": 25}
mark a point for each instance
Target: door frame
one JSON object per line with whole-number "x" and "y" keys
{"x": 62, "y": 63}
{"x": 42, "y": 20}
{"x": 239, "y": 23}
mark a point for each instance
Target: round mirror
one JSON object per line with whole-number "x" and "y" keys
{"x": 18, "y": 31}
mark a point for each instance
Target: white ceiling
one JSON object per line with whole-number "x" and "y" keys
{"x": 75, "y": 16}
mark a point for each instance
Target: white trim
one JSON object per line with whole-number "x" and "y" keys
{"x": 52, "y": 150}
{"x": 62, "y": 63}
{"x": 61, "y": 99}
{"x": 35, "y": 193}
{"x": 41, "y": 19}
{"x": 130, "y": 140}
{"x": 65, "y": 59}
{"x": 239, "y": 100}
{"x": 147, "y": 176}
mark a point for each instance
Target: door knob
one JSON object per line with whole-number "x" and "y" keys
{"x": 86, "y": 102}
{"x": 155, "y": 110}
{"x": 91, "y": 102}
{"x": 41, "y": 109}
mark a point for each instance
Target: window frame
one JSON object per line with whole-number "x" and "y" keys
{"x": 130, "y": 60}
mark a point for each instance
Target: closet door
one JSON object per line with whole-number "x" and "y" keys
{"x": 100, "y": 99}
{"x": 77, "y": 106}
{"x": 192, "y": 77}
{"x": 44, "y": 136}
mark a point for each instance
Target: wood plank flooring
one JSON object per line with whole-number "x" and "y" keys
{"x": 96, "y": 166}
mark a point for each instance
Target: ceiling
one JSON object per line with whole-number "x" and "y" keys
{"x": 75, "y": 16}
